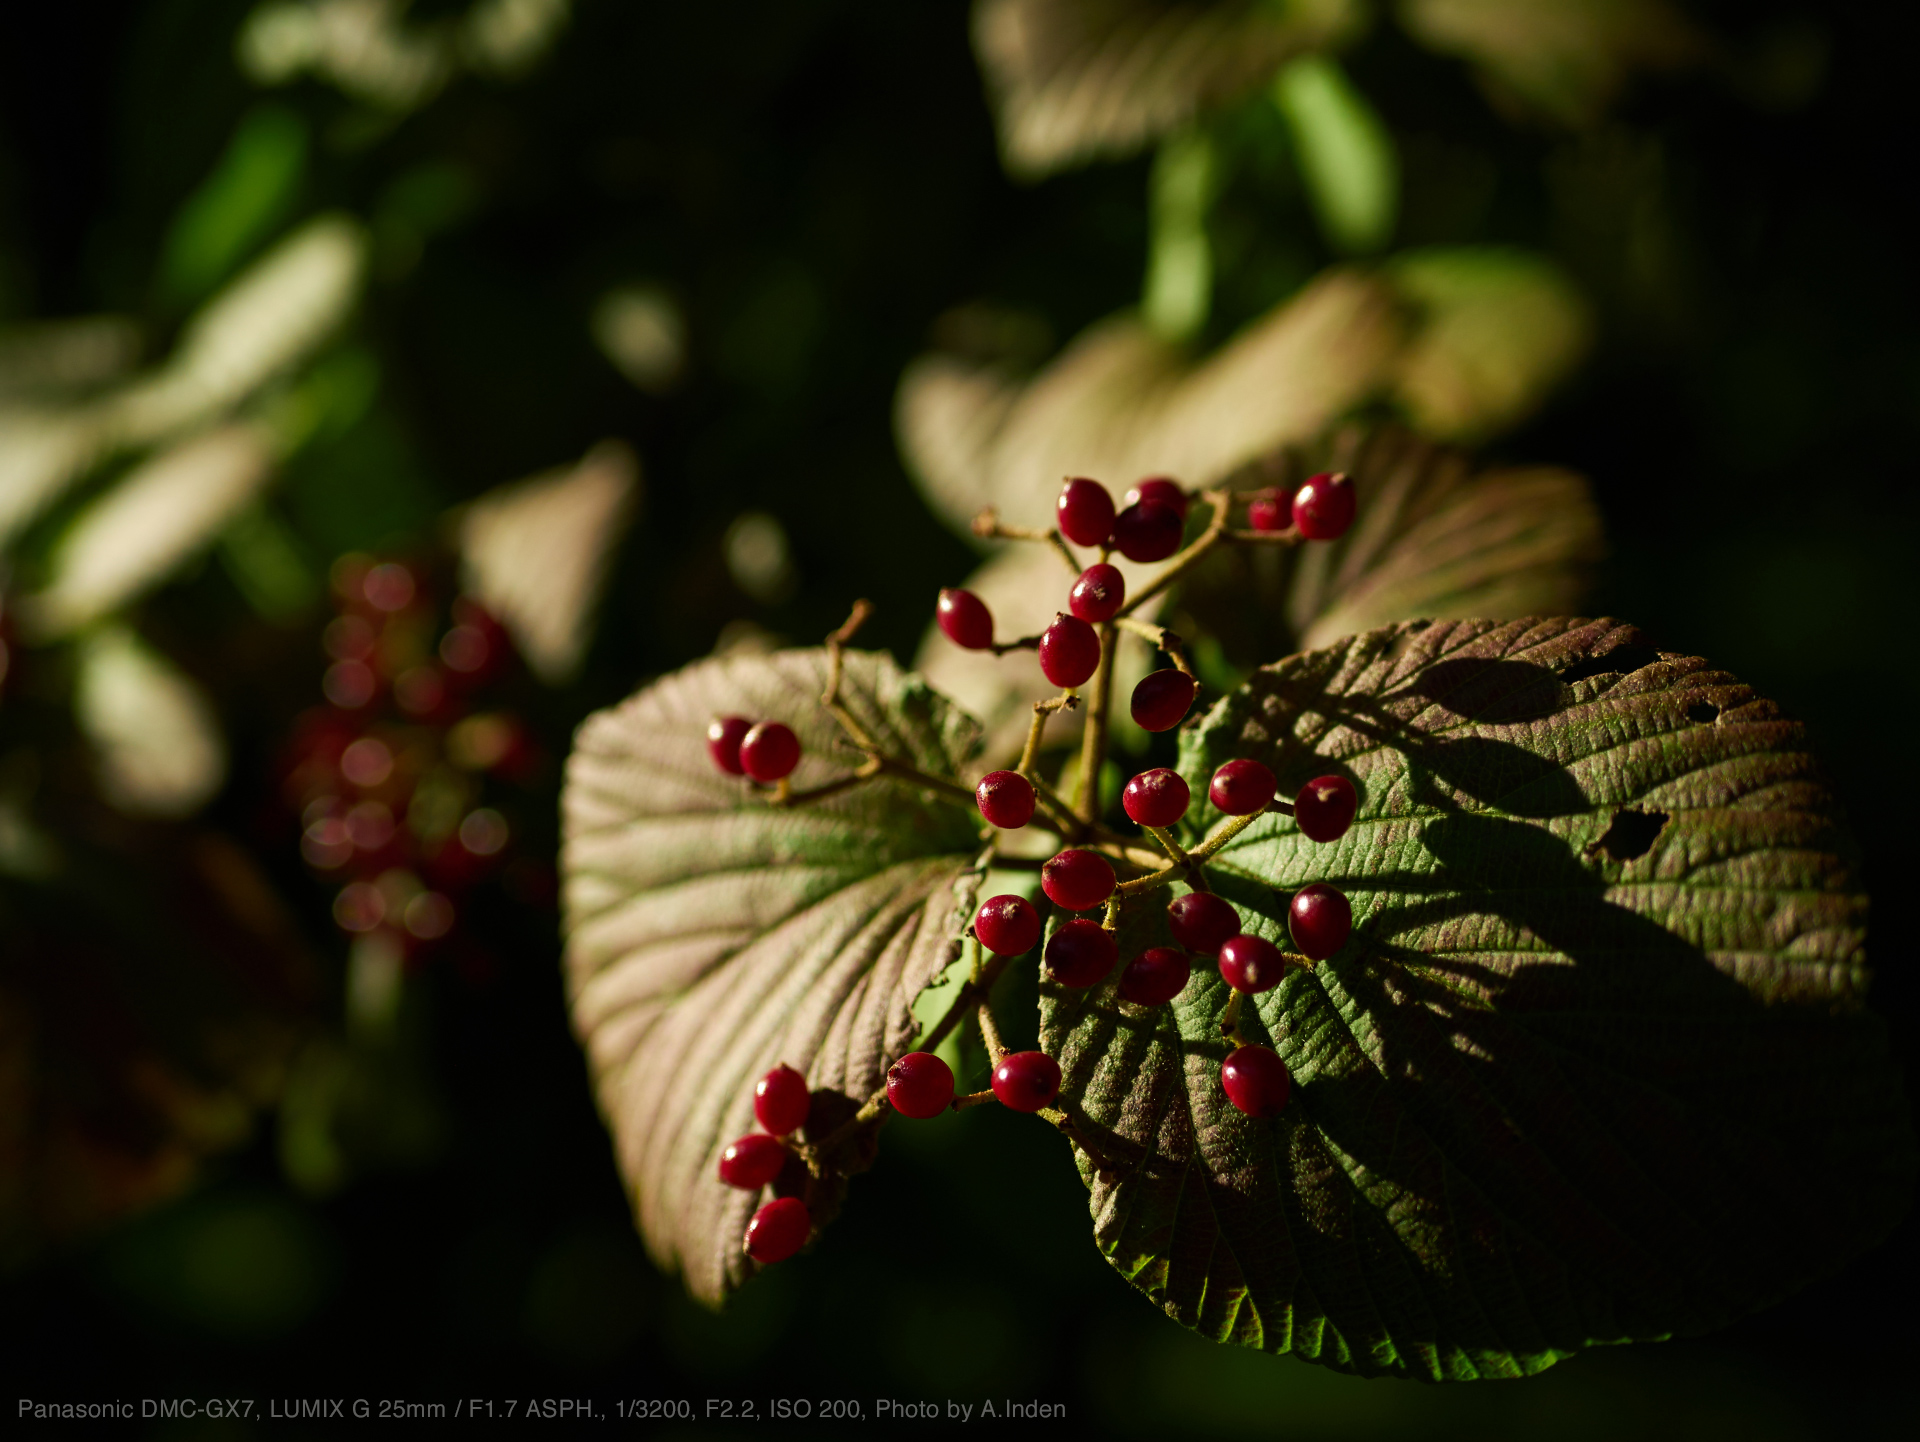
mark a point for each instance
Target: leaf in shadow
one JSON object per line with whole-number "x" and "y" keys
{"x": 1544, "y": 1098}
{"x": 711, "y": 936}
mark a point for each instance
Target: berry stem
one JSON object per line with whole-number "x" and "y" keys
{"x": 1025, "y": 643}
{"x": 1065, "y": 701}
{"x": 1230, "y": 1020}
{"x": 1066, "y": 1124}
{"x": 1163, "y": 639}
{"x": 1196, "y": 872}
{"x": 974, "y": 1099}
{"x": 786, "y": 796}
{"x": 989, "y": 527}
{"x": 990, "y": 1034}
{"x": 1186, "y": 560}
{"x": 1289, "y": 537}
{"x": 1093, "y": 749}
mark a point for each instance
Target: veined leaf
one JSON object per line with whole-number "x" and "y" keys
{"x": 1594, "y": 1065}
{"x": 712, "y": 936}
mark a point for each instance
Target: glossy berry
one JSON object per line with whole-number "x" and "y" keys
{"x": 1156, "y": 798}
{"x": 1007, "y": 925}
{"x": 1147, "y": 531}
{"x": 1319, "y": 920}
{"x": 1080, "y": 953}
{"x": 1161, "y": 491}
{"x": 1200, "y": 921}
{"x": 1256, "y": 1081}
{"x": 778, "y": 1230}
{"x": 769, "y": 751}
{"x": 1162, "y": 699}
{"x": 1077, "y": 880}
{"x": 724, "y": 735}
{"x": 1098, "y": 594}
{"x": 753, "y": 1161}
{"x": 1241, "y": 787}
{"x": 1251, "y": 964}
{"x": 1025, "y": 1081}
{"x": 1005, "y": 799}
{"x": 1156, "y": 975}
{"x": 781, "y": 1100}
{"x": 1324, "y": 808}
{"x": 965, "y": 619}
{"x": 920, "y": 1085}
{"x": 1085, "y": 512}
{"x": 1270, "y": 511}
{"x": 1069, "y": 651}
{"x": 1323, "y": 507}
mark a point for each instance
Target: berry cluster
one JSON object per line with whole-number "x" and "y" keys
{"x": 781, "y": 1103}
{"x": 767, "y": 751}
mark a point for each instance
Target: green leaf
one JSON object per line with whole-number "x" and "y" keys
{"x": 250, "y": 192}
{"x": 712, "y": 936}
{"x": 1346, "y": 154}
{"x": 1595, "y": 1064}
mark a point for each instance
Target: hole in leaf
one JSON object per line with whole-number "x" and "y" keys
{"x": 1703, "y": 712}
{"x": 1631, "y": 833}
{"x": 1621, "y": 659}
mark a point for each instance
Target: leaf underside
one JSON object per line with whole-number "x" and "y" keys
{"x": 712, "y": 936}
{"x": 1594, "y": 1065}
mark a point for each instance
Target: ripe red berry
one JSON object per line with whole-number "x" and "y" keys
{"x": 778, "y": 1230}
{"x": 1319, "y": 919}
{"x": 1098, "y": 594}
{"x": 1147, "y": 531}
{"x": 1323, "y": 507}
{"x": 1006, "y": 799}
{"x": 781, "y": 1100}
{"x": 1085, "y": 512}
{"x": 1069, "y": 651}
{"x": 1241, "y": 787}
{"x": 1156, "y": 798}
{"x": 1025, "y": 1081}
{"x": 1007, "y": 925}
{"x": 752, "y": 1162}
{"x": 1324, "y": 808}
{"x": 1162, "y": 699}
{"x": 769, "y": 751}
{"x": 920, "y": 1085}
{"x": 1200, "y": 921}
{"x": 1270, "y": 511}
{"x": 1251, "y": 964}
{"x": 1161, "y": 491}
{"x": 966, "y": 619}
{"x": 1256, "y": 1081}
{"x": 1156, "y": 975}
{"x": 1077, "y": 880}
{"x": 1080, "y": 953}
{"x": 724, "y": 735}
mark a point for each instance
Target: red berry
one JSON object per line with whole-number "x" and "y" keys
{"x": 1077, "y": 880}
{"x": 1241, "y": 787}
{"x": 1080, "y": 953}
{"x": 920, "y": 1085}
{"x": 1251, "y": 964}
{"x": 1200, "y": 921}
{"x": 781, "y": 1100}
{"x": 1147, "y": 531}
{"x": 1323, "y": 507}
{"x": 1161, "y": 491}
{"x": 778, "y": 1230}
{"x": 752, "y": 1162}
{"x": 724, "y": 735}
{"x": 1154, "y": 976}
{"x": 1085, "y": 512}
{"x": 1162, "y": 699}
{"x": 966, "y": 619}
{"x": 1256, "y": 1081}
{"x": 1156, "y": 798}
{"x": 1320, "y": 920}
{"x": 1098, "y": 594}
{"x": 1025, "y": 1081}
{"x": 1324, "y": 808}
{"x": 1006, "y": 799}
{"x": 769, "y": 751}
{"x": 1270, "y": 511}
{"x": 1069, "y": 651}
{"x": 1007, "y": 925}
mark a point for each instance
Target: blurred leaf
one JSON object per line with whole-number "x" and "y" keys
{"x": 643, "y": 332}
{"x": 250, "y": 192}
{"x": 1567, "y": 59}
{"x": 157, "y": 744}
{"x": 711, "y": 936}
{"x": 537, "y": 553}
{"x": 1595, "y": 1065}
{"x": 1075, "y": 80}
{"x": 1345, "y": 152}
{"x": 49, "y": 357}
{"x": 1179, "y": 288}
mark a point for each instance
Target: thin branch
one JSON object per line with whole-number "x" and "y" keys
{"x": 1025, "y": 643}
{"x": 988, "y": 526}
{"x": 1093, "y": 748}
{"x": 1179, "y": 566}
{"x": 990, "y": 1034}
{"x": 1289, "y": 537}
{"x": 1162, "y": 638}
{"x": 1065, "y": 701}
{"x": 869, "y": 769}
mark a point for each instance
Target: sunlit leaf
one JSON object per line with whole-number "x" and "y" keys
{"x": 1595, "y": 1064}
{"x": 711, "y": 935}
{"x": 157, "y": 744}
{"x": 1345, "y": 153}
